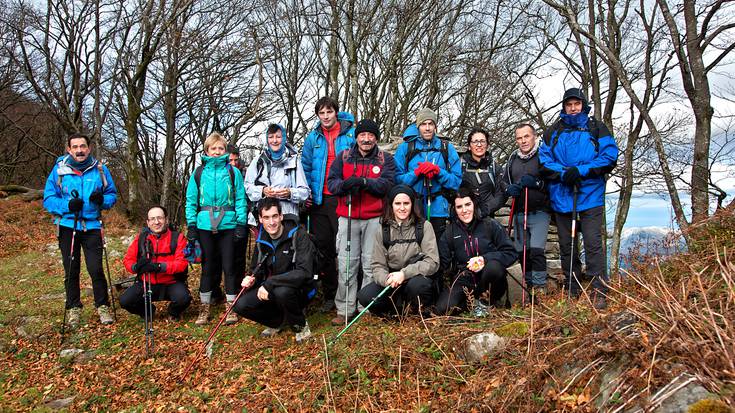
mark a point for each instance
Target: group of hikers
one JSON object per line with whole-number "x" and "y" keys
{"x": 412, "y": 232}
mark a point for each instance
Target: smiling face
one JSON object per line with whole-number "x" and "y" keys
{"x": 478, "y": 145}
{"x": 275, "y": 140}
{"x": 234, "y": 160}
{"x": 572, "y": 106}
{"x": 525, "y": 139}
{"x": 327, "y": 116}
{"x": 272, "y": 221}
{"x": 465, "y": 209}
{"x": 157, "y": 221}
{"x": 366, "y": 142}
{"x": 402, "y": 207}
{"x": 427, "y": 129}
{"x": 78, "y": 149}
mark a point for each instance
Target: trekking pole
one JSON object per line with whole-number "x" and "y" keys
{"x": 387, "y": 287}
{"x": 427, "y": 185}
{"x": 525, "y": 242}
{"x": 74, "y": 194}
{"x": 349, "y": 247}
{"x": 510, "y": 217}
{"x": 574, "y": 233}
{"x": 147, "y": 302}
{"x": 107, "y": 267}
{"x": 219, "y": 324}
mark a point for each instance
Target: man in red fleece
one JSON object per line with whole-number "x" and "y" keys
{"x": 162, "y": 258}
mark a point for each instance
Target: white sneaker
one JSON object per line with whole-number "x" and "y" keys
{"x": 304, "y": 334}
{"x": 480, "y": 310}
{"x": 104, "y": 313}
{"x": 270, "y": 332}
{"x": 73, "y": 315}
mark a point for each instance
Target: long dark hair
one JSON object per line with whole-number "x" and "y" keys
{"x": 388, "y": 214}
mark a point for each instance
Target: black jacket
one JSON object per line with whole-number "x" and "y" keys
{"x": 483, "y": 178}
{"x": 285, "y": 265}
{"x": 515, "y": 169}
{"x": 483, "y": 237}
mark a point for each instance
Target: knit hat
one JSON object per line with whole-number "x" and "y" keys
{"x": 367, "y": 125}
{"x": 401, "y": 189}
{"x": 575, "y": 93}
{"x": 425, "y": 114}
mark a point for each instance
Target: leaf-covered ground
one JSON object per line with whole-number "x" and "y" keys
{"x": 561, "y": 357}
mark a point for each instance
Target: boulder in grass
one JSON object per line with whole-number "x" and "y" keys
{"x": 479, "y": 346}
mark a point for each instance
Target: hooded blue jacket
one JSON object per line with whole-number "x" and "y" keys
{"x": 64, "y": 179}
{"x": 314, "y": 152}
{"x": 575, "y": 146}
{"x": 449, "y": 177}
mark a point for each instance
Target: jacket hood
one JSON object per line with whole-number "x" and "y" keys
{"x": 411, "y": 133}
{"x": 285, "y": 149}
{"x": 485, "y": 161}
{"x": 66, "y": 163}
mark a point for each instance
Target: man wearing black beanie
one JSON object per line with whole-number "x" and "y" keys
{"x": 361, "y": 176}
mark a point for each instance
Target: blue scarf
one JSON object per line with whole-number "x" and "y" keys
{"x": 80, "y": 166}
{"x": 578, "y": 120}
{"x": 277, "y": 154}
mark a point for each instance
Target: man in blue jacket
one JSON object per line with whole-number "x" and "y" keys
{"x": 431, "y": 166}
{"x": 76, "y": 192}
{"x": 578, "y": 152}
{"x": 333, "y": 133}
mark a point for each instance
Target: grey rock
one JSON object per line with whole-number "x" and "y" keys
{"x": 26, "y": 329}
{"x": 479, "y": 346}
{"x": 676, "y": 397}
{"x": 52, "y": 297}
{"x": 59, "y": 404}
{"x": 70, "y": 353}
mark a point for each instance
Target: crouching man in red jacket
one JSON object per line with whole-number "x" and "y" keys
{"x": 161, "y": 255}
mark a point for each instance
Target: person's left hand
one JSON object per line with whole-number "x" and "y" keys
{"x": 476, "y": 264}
{"x": 248, "y": 281}
{"x": 96, "y": 198}
{"x": 395, "y": 279}
{"x": 262, "y": 294}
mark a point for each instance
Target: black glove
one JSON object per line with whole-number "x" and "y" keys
{"x": 240, "y": 232}
{"x": 513, "y": 190}
{"x": 141, "y": 264}
{"x": 96, "y": 198}
{"x": 571, "y": 176}
{"x": 530, "y": 181}
{"x": 352, "y": 182}
{"x": 192, "y": 233}
{"x": 75, "y": 205}
{"x": 149, "y": 267}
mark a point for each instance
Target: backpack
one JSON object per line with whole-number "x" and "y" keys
{"x": 419, "y": 235}
{"x": 412, "y": 151}
{"x": 181, "y": 276}
{"x": 551, "y": 138}
{"x": 198, "y": 180}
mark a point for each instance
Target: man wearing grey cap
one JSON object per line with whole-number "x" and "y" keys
{"x": 431, "y": 166}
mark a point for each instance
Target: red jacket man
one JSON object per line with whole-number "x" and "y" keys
{"x": 361, "y": 175}
{"x": 162, "y": 260}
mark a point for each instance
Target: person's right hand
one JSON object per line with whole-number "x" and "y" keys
{"x": 395, "y": 279}
{"x": 248, "y": 281}
{"x": 75, "y": 205}
{"x": 571, "y": 176}
{"x": 420, "y": 169}
{"x": 192, "y": 233}
{"x": 513, "y": 190}
{"x": 140, "y": 264}
{"x": 269, "y": 192}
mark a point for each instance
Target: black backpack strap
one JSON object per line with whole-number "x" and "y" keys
{"x": 174, "y": 241}
{"x": 419, "y": 232}
{"x": 198, "y": 180}
{"x": 386, "y": 236}
{"x": 443, "y": 150}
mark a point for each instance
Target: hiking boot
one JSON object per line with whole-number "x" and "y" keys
{"x": 599, "y": 301}
{"x": 73, "y": 315}
{"x": 302, "y": 333}
{"x": 104, "y": 313}
{"x": 231, "y": 316}
{"x": 339, "y": 320}
{"x": 480, "y": 310}
{"x": 327, "y": 306}
{"x": 203, "y": 317}
{"x": 270, "y": 332}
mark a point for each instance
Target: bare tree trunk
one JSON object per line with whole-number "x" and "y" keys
{"x": 333, "y": 57}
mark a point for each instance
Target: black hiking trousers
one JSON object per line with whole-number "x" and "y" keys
{"x": 285, "y": 306}
{"x": 454, "y": 298}
{"x": 177, "y": 293}
{"x": 324, "y": 228}
{"x": 91, "y": 242}
{"x": 414, "y": 294}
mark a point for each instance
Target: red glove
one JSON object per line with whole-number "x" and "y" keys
{"x": 431, "y": 170}
{"x": 420, "y": 169}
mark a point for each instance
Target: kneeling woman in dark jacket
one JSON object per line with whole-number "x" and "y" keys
{"x": 479, "y": 250}
{"x": 404, "y": 260}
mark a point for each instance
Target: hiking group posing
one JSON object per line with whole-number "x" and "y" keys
{"x": 410, "y": 233}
